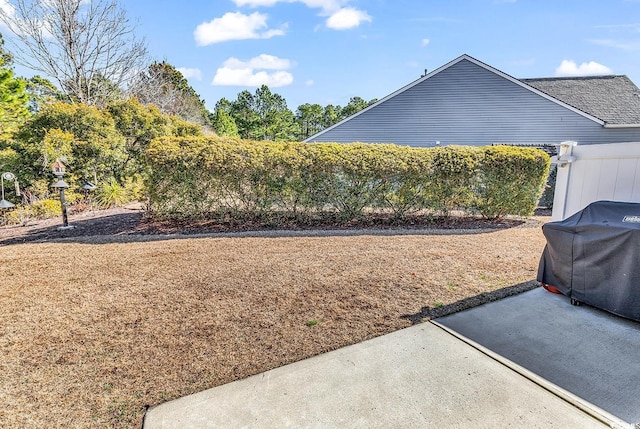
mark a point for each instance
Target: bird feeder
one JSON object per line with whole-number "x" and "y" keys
{"x": 58, "y": 170}
{"x": 4, "y": 204}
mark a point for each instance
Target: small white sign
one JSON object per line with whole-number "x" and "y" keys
{"x": 631, "y": 219}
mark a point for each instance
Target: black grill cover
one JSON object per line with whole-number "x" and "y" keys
{"x": 594, "y": 257}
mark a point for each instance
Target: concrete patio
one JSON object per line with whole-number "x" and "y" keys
{"x": 530, "y": 360}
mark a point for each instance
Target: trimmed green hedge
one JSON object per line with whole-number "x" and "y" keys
{"x": 197, "y": 177}
{"x": 511, "y": 181}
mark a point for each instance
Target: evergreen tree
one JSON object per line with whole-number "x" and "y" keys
{"x": 222, "y": 121}
{"x": 139, "y": 124}
{"x": 13, "y": 97}
{"x": 85, "y": 135}
{"x": 355, "y": 105}
{"x": 309, "y": 119}
{"x": 331, "y": 115}
{"x": 42, "y": 93}
{"x": 276, "y": 121}
{"x": 263, "y": 116}
{"x": 245, "y": 114}
{"x": 6, "y": 59}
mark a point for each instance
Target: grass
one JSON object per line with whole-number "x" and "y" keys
{"x": 91, "y": 334}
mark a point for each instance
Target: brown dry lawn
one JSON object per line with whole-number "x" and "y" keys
{"x": 91, "y": 334}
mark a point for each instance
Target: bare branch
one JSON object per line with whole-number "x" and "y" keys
{"x": 166, "y": 88}
{"x": 88, "y": 48}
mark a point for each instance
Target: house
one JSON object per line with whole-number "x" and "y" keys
{"x": 468, "y": 102}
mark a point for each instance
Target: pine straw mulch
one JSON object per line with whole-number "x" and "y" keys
{"x": 95, "y": 328}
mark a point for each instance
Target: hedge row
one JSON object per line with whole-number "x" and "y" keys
{"x": 207, "y": 177}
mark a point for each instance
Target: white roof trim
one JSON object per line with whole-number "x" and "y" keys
{"x": 622, "y": 125}
{"x": 446, "y": 66}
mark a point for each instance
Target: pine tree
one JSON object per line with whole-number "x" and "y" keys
{"x": 13, "y": 97}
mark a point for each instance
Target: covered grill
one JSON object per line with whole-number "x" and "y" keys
{"x": 594, "y": 257}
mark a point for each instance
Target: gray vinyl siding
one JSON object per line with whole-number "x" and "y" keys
{"x": 467, "y": 104}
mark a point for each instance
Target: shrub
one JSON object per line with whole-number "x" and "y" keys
{"x": 20, "y": 215}
{"x": 44, "y": 209}
{"x": 454, "y": 169}
{"x": 351, "y": 177}
{"x": 40, "y": 209}
{"x": 112, "y": 194}
{"x": 185, "y": 176}
{"x": 200, "y": 177}
{"x": 510, "y": 180}
{"x": 408, "y": 174}
{"x": 546, "y": 200}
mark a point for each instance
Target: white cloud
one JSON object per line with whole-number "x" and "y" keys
{"x": 17, "y": 23}
{"x": 346, "y": 18}
{"x": 234, "y": 26}
{"x": 235, "y": 72}
{"x": 327, "y": 6}
{"x": 310, "y": 82}
{"x": 425, "y": 42}
{"x": 247, "y": 77}
{"x": 275, "y": 32}
{"x": 262, "y": 61}
{"x": 256, "y": 3}
{"x": 570, "y": 68}
{"x": 340, "y": 16}
{"x": 190, "y": 73}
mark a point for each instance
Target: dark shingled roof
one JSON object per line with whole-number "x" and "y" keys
{"x": 613, "y": 99}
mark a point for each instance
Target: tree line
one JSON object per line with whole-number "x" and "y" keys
{"x": 97, "y": 106}
{"x": 91, "y": 55}
{"x": 264, "y": 115}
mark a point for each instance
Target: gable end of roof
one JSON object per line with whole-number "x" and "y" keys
{"x": 487, "y": 67}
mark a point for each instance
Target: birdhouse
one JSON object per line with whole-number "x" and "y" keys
{"x": 58, "y": 168}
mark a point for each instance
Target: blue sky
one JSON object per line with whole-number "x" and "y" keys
{"x": 326, "y": 51}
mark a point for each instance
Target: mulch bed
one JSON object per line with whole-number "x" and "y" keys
{"x": 126, "y": 221}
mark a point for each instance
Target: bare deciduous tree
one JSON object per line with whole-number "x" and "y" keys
{"x": 87, "y": 46}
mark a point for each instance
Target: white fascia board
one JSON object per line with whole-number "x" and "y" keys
{"x": 622, "y": 125}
